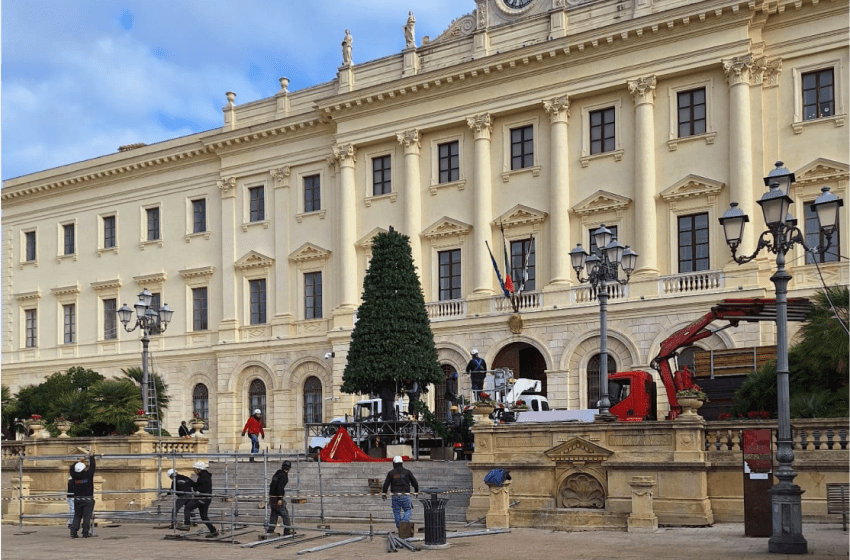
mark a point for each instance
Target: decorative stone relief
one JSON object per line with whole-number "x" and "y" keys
{"x": 253, "y": 259}
{"x": 581, "y": 491}
{"x": 281, "y": 176}
{"x": 738, "y": 69}
{"x": 643, "y": 90}
{"x": 558, "y": 108}
{"x": 770, "y": 72}
{"x": 481, "y": 125}
{"x": 602, "y": 201}
{"x": 410, "y": 139}
{"x": 227, "y": 187}
{"x": 344, "y": 155}
{"x": 460, "y": 27}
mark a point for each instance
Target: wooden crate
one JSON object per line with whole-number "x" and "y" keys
{"x": 732, "y": 361}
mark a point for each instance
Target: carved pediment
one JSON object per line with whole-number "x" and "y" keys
{"x": 445, "y": 227}
{"x": 73, "y": 289}
{"x": 601, "y": 201}
{"x": 253, "y": 259}
{"x": 157, "y": 278}
{"x": 461, "y": 27}
{"x": 692, "y": 186}
{"x": 204, "y": 272}
{"x": 578, "y": 449}
{"x": 821, "y": 169}
{"x": 521, "y": 215}
{"x": 104, "y": 285}
{"x": 367, "y": 240}
{"x": 309, "y": 252}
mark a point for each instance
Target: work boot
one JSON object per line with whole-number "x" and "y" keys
{"x": 182, "y": 527}
{"x": 212, "y": 535}
{"x": 73, "y": 535}
{"x": 86, "y": 535}
{"x": 251, "y": 460}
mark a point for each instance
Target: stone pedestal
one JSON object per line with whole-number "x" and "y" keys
{"x": 411, "y": 62}
{"x": 642, "y": 518}
{"x": 500, "y": 501}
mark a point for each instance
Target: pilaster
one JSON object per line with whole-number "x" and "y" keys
{"x": 558, "y": 109}
{"x": 482, "y": 128}
{"x": 283, "y": 314}
{"x": 739, "y": 73}
{"x": 410, "y": 141}
{"x": 229, "y": 326}
{"x": 643, "y": 93}
{"x": 345, "y": 155}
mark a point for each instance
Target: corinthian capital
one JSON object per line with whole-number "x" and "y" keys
{"x": 738, "y": 69}
{"x": 481, "y": 125}
{"x": 281, "y": 176}
{"x": 558, "y": 108}
{"x": 227, "y": 187}
{"x": 643, "y": 90}
{"x": 344, "y": 154}
{"x": 410, "y": 140}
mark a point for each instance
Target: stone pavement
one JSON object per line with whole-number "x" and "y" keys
{"x": 143, "y": 542}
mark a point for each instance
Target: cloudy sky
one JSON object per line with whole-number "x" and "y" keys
{"x": 82, "y": 77}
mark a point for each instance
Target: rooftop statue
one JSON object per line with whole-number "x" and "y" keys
{"x": 346, "y": 48}
{"x": 410, "y": 32}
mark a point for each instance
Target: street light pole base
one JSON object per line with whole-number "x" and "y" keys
{"x": 787, "y": 535}
{"x": 606, "y": 417}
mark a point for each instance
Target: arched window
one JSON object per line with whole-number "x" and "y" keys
{"x": 201, "y": 403}
{"x": 593, "y": 378}
{"x": 440, "y": 392}
{"x": 257, "y": 398}
{"x": 687, "y": 357}
{"x": 312, "y": 400}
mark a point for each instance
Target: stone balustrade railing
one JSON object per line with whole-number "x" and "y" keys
{"x": 450, "y": 309}
{"x": 816, "y": 434}
{"x": 527, "y": 301}
{"x": 587, "y": 293}
{"x": 707, "y": 281}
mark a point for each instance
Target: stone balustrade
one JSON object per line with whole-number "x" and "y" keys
{"x": 450, "y": 309}
{"x": 707, "y": 281}
{"x": 807, "y": 434}
{"x": 528, "y": 301}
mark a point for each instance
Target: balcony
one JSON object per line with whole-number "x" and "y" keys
{"x": 691, "y": 282}
{"x": 527, "y": 301}
{"x": 587, "y": 294}
{"x": 446, "y": 310}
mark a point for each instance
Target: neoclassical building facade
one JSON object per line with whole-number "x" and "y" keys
{"x": 546, "y": 120}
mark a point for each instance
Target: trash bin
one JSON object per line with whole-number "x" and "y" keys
{"x": 435, "y": 517}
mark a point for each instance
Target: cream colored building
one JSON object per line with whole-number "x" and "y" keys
{"x": 548, "y": 119}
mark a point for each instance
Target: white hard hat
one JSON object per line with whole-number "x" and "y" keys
{"x": 397, "y": 459}
{"x": 200, "y": 465}
{"x": 474, "y": 351}
{"x": 171, "y": 472}
{"x": 257, "y": 411}
{"x": 80, "y": 467}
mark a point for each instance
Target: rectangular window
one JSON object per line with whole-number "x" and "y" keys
{"x": 592, "y": 250}
{"x": 30, "y": 245}
{"x": 814, "y": 238}
{"x": 68, "y": 232}
{"x": 155, "y": 305}
{"x": 450, "y": 274}
{"x": 522, "y": 147}
{"x": 31, "y": 328}
{"x": 108, "y": 232}
{"x": 313, "y": 295}
{"x": 818, "y": 95}
{"x": 691, "y": 112}
{"x": 153, "y": 224}
{"x": 70, "y": 313}
{"x": 602, "y": 131}
{"x": 381, "y": 175}
{"x": 693, "y": 242}
{"x": 449, "y": 161}
{"x": 199, "y": 215}
{"x": 258, "y": 204}
{"x": 520, "y": 250}
{"x": 199, "y": 309}
{"x": 110, "y": 319}
{"x": 258, "y": 301}
{"x": 312, "y": 200}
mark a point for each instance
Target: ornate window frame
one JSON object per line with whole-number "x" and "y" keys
{"x": 366, "y": 175}
{"x": 507, "y": 127}
{"x": 838, "y": 80}
{"x": 617, "y": 153}
{"x": 443, "y": 235}
{"x": 60, "y": 241}
{"x": 435, "y": 184}
{"x": 107, "y": 289}
{"x": 310, "y": 258}
{"x": 694, "y": 194}
{"x": 710, "y": 134}
{"x": 190, "y": 217}
{"x": 101, "y": 238}
{"x": 22, "y": 258}
{"x": 308, "y": 171}
{"x": 144, "y": 242}
{"x": 268, "y": 203}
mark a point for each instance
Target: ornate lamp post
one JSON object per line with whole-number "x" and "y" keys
{"x": 782, "y": 234}
{"x": 602, "y": 268}
{"x": 146, "y": 319}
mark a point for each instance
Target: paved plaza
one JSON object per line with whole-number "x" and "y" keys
{"x": 143, "y": 542}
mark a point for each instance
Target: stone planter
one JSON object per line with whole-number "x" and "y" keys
{"x": 36, "y": 430}
{"x": 481, "y": 414}
{"x": 141, "y": 424}
{"x": 689, "y": 407}
{"x": 197, "y": 426}
{"x": 63, "y": 428}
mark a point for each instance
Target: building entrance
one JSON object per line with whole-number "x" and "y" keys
{"x": 525, "y": 361}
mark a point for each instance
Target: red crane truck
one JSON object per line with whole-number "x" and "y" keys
{"x": 633, "y": 393}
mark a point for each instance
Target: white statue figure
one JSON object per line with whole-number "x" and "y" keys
{"x": 409, "y": 31}
{"x": 346, "y": 48}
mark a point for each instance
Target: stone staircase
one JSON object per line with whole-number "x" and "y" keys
{"x": 345, "y": 487}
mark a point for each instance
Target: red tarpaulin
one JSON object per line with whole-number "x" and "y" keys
{"x": 342, "y": 449}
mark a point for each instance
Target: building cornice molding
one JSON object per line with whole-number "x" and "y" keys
{"x": 692, "y": 186}
{"x": 105, "y": 285}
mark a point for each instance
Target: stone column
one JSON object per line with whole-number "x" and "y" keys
{"x": 345, "y": 157}
{"x": 643, "y": 92}
{"x": 228, "y": 328}
{"x": 482, "y": 127}
{"x": 642, "y": 518}
{"x": 409, "y": 139}
{"x": 559, "y": 190}
{"x": 738, "y": 73}
{"x": 283, "y": 314}
{"x": 500, "y": 502}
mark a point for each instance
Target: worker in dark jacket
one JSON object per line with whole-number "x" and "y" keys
{"x": 399, "y": 481}
{"x": 477, "y": 370}
{"x": 203, "y": 497}
{"x": 83, "y": 491}
{"x": 277, "y": 500}
{"x": 184, "y": 430}
{"x": 182, "y": 488}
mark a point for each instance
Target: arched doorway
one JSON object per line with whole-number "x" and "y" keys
{"x": 525, "y": 361}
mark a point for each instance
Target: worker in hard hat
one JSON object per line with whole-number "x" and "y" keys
{"x": 477, "y": 370}
{"x": 83, "y": 491}
{"x": 277, "y": 500}
{"x": 203, "y": 497}
{"x": 399, "y": 481}
{"x": 182, "y": 488}
{"x": 254, "y": 428}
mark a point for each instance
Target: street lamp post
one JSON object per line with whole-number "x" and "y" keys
{"x": 782, "y": 234}
{"x": 603, "y": 267}
{"x": 146, "y": 319}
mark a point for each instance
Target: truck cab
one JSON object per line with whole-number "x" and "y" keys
{"x": 633, "y": 396}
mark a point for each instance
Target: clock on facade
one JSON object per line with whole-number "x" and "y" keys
{"x": 516, "y": 4}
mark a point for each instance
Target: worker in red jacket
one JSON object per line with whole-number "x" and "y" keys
{"x": 254, "y": 428}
